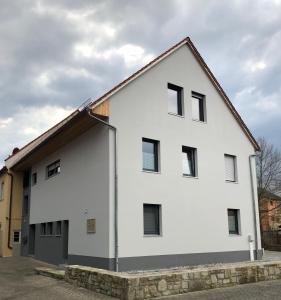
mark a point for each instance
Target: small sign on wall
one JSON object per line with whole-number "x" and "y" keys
{"x": 91, "y": 225}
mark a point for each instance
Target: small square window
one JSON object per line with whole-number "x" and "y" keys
{"x": 151, "y": 219}
{"x": 16, "y": 237}
{"x": 34, "y": 178}
{"x": 53, "y": 169}
{"x": 189, "y": 165}
{"x": 175, "y": 99}
{"x": 150, "y": 155}
{"x": 233, "y": 221}
{"x": 230, "y": 168}
{"x": 198, "y": 107}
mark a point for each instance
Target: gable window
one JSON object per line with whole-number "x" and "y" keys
{"x": 53, "y": 169}
{"x": 151, "y": 219}
{"x": 2, "y": 191}
{"x": 16, "y": 237}
{"x": 150, "y": 161}
{"x": 189, "y": 156}
{"x": 230, "y": 168}
{"x": 233, "y": 221}
{"x": 175, "y": 99}
{"x": 34, "y": 178}
{"x": 198, "y": 107}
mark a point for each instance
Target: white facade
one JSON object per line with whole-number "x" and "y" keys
{"x": 194, "y": 216}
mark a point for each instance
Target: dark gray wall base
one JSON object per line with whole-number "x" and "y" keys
{"x": 97, "y": 262}
{"x": 162, "y": 261}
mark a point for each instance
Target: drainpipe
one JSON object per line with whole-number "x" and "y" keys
{"x": 116, "y": 245}
{"x": 254, "y": 203}
{"x": 10, "y": 210}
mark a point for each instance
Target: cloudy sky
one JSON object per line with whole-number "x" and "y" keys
{"x": 56, "y": 54}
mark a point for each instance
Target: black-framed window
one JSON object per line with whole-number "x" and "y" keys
{"x": 58, "y": 228}
{"x": 2, "y": 190}
{"x": 233, "y": 221}
{"x": 43, "y": 229}
{"x": 175, "y": 99}
{"x": 189, "y": 157}
{"x": 49, "y": 229}
{"x": 150, "y": 155}
{"x": 230, "y": 168}
{"x": 53, "y": 169}
{"x": 151, "y": 219}
{"x": 34, "y": 178}
{"x": 198, "y": 107}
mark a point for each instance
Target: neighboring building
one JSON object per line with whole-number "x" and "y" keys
{"x": 178, "y": 190}
{"x": 10, "y": 213}
{"x": 270, "y": 212}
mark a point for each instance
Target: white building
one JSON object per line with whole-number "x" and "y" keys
{"x": 179, "y": 190}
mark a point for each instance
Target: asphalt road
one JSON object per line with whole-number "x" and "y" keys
{"x": 19, "y": 281}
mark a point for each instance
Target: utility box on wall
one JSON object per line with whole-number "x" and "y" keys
{"x": 91, "y": 225}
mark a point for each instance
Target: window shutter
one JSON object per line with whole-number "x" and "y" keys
{"x": 229, "y": 168}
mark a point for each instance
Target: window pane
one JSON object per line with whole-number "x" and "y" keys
{"x": 174, "y": 99}
{"x": 230, "y": 174}
{"x": 233, "y": 221}
{"x": 151, "y": 219}
{"x": 149, "y": 152}
{"x": 195, "y": 109}
{"x": 188, "y": 161}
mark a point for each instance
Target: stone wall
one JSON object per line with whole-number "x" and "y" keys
{"x": 144, "y": 285}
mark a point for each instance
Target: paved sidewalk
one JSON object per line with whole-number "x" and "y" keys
{"x": 271, "y": 255}
{"x": 19, "y": 281}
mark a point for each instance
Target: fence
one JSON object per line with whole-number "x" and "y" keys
{"x": 271, "y": 240}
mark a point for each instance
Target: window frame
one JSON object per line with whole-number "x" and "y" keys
{"x": 49, "y": 228}
{"x": 58, "y": 168}
{"x": 180, "y": 99}
{"x": 19, "y": 237}
{"x": 58, "y": 226}
{"x": 185, "y": 150}
{"x": 34, "y": 178}
{"x": 202, "y": 107}
{"x": 234, "y": 168}
{"x": 43, "y": 228}
{"x": 156, "y": 153}
{"x": 237, "y": 231}
{"x": 158, "y": 232}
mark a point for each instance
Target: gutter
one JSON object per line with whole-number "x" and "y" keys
{"x": 254, "y": 204}
{"x": 114, "y": 129}
{"x": 10, "y": 210}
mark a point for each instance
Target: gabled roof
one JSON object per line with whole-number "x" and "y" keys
{"x": 27, "y": 149}
{"x": 188, "y": 42}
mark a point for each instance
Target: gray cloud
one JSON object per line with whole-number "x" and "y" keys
{"x": 59, "y": 53}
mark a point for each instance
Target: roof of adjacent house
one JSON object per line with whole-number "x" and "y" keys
{"x": 186, "y": 41}
{"x": 271, "y": 196}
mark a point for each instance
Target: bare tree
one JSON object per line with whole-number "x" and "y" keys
{"x": 268, "y": 173}
{"x": 268, "y": 168}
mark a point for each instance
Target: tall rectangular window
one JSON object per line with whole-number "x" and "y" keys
{"x": 151, "y": 219}
{"x": 53, "y": 169}
{"x": 175, "y": 99}
{"x": 230, "y": 168}
{"x": 233, "y": 221}
{"x": 198, "y": 107}
{"x": 34, "y": 178}
{"x": 49, "y": 229}
{"x": 58, "y": 228}
{"x": 150, "y": 155}
{"x": 43, "y": 229}
{"x": 189, "y": 161}
{"x": 2, "y": 190}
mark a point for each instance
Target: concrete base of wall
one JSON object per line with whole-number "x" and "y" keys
{"x": 145, "y": 285}
{"x": 161, "y": 261}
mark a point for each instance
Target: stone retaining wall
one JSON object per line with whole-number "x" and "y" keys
{"x": 144, "y": 285}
